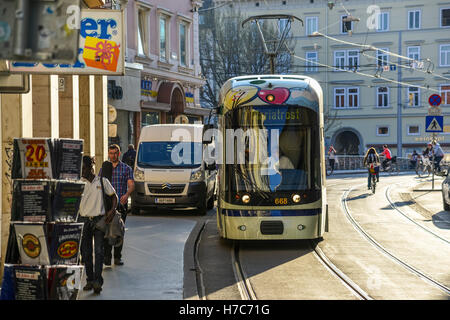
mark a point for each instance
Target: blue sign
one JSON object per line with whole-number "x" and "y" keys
{"x": 393, "y": 67}
{"x": 434, "y": 124}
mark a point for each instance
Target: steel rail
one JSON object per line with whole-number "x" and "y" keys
{"x": 243, "y": 283}
{"x": 394, "y": 206}
{"x": 378, "y": 246}
{"x": 352, "y": 286}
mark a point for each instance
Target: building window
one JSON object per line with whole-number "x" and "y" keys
{"x": 142, "y": 32}
{"x": 383, "y": 21}
{"x": 445, "y": 94}
{"x": 413, "y": 96}
{"x": 312, "y": 25}
{"x": 346, "y": 26}
{"x": 382, "y": 131}
{"x": 339, "y": 97}
{"x": 346, "y": 60}
{"x": 353, "y": 59}
{"x": 382, "y": 57}
{"x": 413, "y": 53}
{"x": 445, "y": 17}
{"x": 414, "y": 19}
{"x": 346, "y": 97}
{"x": 311, "y": 64}
{"x": 183, "y": 29}
{"x": 414, "y": 130}
{"x": 150, "y": 117}
{"x": 339, "y": 60}
{"x": 163, "y": 39}
{"x": 445, "y": 55}
{"x": 382, "y": 97}
{"x": 353, "y": 97}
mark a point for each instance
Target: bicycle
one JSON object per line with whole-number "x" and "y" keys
{"x": 424, "y": 167}
{"x": 391, "y": 167}
{"x": 373, "y": 184}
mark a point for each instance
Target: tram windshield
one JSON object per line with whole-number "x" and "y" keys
{"x": 271, "y": 149}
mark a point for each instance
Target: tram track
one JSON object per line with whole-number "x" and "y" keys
{"x": 396, "y": 208}
{"x": 383, "y": 250}
{"x": 243, "y": 283}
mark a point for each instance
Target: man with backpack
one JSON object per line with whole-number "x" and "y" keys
{"x": 371, "y": 159}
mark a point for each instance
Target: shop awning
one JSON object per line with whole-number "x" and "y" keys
{"x": 155, "y": 106}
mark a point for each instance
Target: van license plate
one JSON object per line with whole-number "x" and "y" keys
{"x": 165, "y": 200}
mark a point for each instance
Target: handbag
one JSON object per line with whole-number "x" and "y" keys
{"x": 107, "y": 203}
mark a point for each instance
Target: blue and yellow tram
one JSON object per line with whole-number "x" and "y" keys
{"x": 272, "y": 162}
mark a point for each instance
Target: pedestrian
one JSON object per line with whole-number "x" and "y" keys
{"x": 413, "y": 160}
{"x": 130, "y": 156}
{"x": 438, "y": 155}
{"x": 331, "y": 157}
{"x": 91, "y": 211}
{"x": 123, "y": 182}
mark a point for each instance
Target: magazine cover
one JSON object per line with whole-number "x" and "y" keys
{"x": 8, "y": 291}
{"x": 31, "y": 200}
{"x": 68, "y": 154}
{"x": 32, "y": 243}
{"x": 32, "y": 158}
{"x": 65, "y": 240}
{"x": 64, "y": 282}
{"x": 66, "y": 200}
{"x": 30, "y": 283}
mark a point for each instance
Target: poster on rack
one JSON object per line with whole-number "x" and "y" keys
{"x": 64, "y": 282}
{"x": 32, "y": 243}
{"x": 30, "y": 283}
{"x": 31, "y": 200}
{"x": 32, "y": 158}
{"x": 66, "y": 200}
{"x": 101, "y": 47}
{"x": 65, "y": 240}
{"x": 68, "y": 154}
{"x": 8, "y": 286}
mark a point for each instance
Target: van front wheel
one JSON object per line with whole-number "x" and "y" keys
{"x": 203, "y": 208}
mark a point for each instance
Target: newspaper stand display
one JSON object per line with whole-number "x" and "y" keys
{"x": 42, "y": 258}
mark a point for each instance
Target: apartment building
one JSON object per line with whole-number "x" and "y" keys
{"x": 163, "y": 77}
{"x": 377, "y": 96}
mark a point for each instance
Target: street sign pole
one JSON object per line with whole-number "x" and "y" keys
{"x": 432, "y": 165}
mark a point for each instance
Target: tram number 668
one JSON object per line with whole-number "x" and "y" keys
{"x": 281, "y": 200}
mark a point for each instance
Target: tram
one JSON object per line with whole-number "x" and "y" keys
{"x": 272, "y": 163}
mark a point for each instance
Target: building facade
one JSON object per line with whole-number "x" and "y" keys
{"x": 163, "y": 76}
{"x": 377, "y": 96}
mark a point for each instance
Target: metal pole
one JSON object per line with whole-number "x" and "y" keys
{"x": 432, "y": 164}
{"x": 272, "y": 63}
{"x": 21, "y": 27}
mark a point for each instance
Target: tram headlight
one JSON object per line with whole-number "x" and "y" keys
{"x": 245, "y": 198}
{"x": 296, "y": 198}
{"x": 242, "y": 228}
{"x": 300, "y": 227}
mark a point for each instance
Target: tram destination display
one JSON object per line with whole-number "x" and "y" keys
{"x": 64, "y": 239}
{"x": 32, "y": 243}
{"x": 31, "y": 200}
{"x": 30, "y": 282}
{"x": 66, "y": 200}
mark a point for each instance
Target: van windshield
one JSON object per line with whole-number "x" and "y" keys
{"x": 173, "y": 154}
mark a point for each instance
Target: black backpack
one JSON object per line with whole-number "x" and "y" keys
{"x": 371, "y": 158}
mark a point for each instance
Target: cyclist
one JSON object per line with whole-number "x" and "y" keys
{"x": 372, "y": 158}
{"x": 428, "y": 152}
{"x": 387, "y": 154}
{"x": 438, "y": 155}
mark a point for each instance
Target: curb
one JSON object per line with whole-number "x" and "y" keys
{"x": 190, "y": 289}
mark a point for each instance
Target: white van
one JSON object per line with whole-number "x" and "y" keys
{"x": 170, "y": 169}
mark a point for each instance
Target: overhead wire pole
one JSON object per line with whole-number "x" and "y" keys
{"x": 273, "y": 46}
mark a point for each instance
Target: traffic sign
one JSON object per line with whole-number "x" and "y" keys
{"x": 434, "y": 123}
{"x": 434, "y": 100}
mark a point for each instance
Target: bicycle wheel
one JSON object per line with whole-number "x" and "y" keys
{"x": 373, "y": 185}
{"x": 423, "y": 171}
